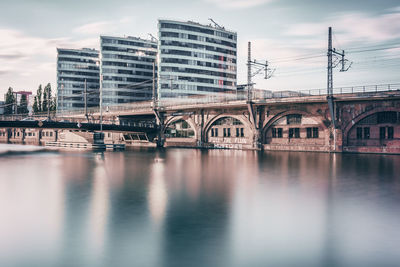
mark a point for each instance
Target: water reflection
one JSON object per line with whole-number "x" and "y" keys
{"x": 199, "y": 208}
{"x": 157, "y": 195}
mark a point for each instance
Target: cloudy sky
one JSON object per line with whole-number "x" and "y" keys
{"x": 290, "y": 34}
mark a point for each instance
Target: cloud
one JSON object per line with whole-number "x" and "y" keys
{"x": 102, "y": 27}
{"x": 237, "y": 4}
{"x": 353, "y": 27}
{"x": 3, "y": 72}
{"x": 32, "y": 60}
{"x": 14, "y": 56}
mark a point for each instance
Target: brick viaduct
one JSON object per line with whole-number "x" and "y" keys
{"x": 365, "y": 122}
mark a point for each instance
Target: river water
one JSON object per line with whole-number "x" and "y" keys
{"x": 186, "y": 207}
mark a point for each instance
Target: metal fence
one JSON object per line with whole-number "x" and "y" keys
{"x": 256, "y": 95}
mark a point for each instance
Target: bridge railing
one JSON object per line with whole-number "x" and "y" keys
{"x": 258, "y": 95}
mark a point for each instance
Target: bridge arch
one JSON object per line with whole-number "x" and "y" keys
{"x": 229, "y": 131}
{"x": 379, "y": 127}
{"x": 180, "y": 127}
{"x": 295, "y": 130}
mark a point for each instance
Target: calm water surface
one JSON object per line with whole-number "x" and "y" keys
{"x": 182, "y": 207}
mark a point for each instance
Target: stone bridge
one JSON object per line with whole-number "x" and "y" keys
{"x": 363, "y": 121}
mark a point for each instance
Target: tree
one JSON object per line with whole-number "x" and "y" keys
{"x": 10, "y": 101}
{"x": 35, "y": 106}
{"x": 53, "y": 106}
{"x": 44, "y": 103}
{"x": 23, "y": 105}
{"x": 39, "y": 98}
{"x": 47, "y": 99}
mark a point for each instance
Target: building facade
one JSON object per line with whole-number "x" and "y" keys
{"x": 195, "y": 59}
{"x": 75, "y": 68}
{"x": 126, "y": 69}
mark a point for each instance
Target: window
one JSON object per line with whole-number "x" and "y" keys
{"x": 280, "y": 133}
{"x": 366, "y": 132}
{"x": 315, "y": 132}
{"x": 296, "y": 132}
{"x": 224, "y": 132}
{"x": 309, "y": 132}
{"x": 51, "y": 133}
{"x": 291, "y": 132}
{"x": 382, "y": 133}
{"x": 212, "y": 132}
{"x": 359, "y": 133}
{"x": 216, "y": 132}
{"x": 273, "y": 132}
{"x": 293, "y": 119}
{"x": 241, "y": 132}
{"x": 229, "y": 132}
{"x": 237, "y": 132}
{"x": 390, "y": 133}
{"x": 387, "y": 117}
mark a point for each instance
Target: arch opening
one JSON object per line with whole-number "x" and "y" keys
{"x": 179, "y": 129}
{"x": 229, "y": 132}
{"x": 379, "y": 129}
{"x": 295, "y": 130}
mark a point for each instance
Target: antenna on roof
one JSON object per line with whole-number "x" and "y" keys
{"x": 216, "y": 25}
{"x": 154, "y": 39}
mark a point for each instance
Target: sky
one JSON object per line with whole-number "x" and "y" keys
{"x": 292, "y": 35}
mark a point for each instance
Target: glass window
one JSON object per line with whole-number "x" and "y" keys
{"x": 315, "y": 132}
{"x": 293, "y": 119}
{"x": 366, "y": 132}
{"x": 224, "y": 132}
{"x": 387, "y": 117}
{"x": 229, "y": 132}
{"x": 390, "y": 132}
{"x": 359, "y": 133}
{"x": 216, "y": 132}
{"x": 237, "y": 132}
{"x": 309, "y": 132}
{"x": 291, "y": 132}
{"x": 280, "y": 133}
{"x": 273, "y": 132}
{"x": 296, "y": 132}
{"x": 382, "y": 132}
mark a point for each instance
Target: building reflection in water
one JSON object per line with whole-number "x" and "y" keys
{"x": 99, "y": 209}
{"x": 31, "y": 201}
{"x": 157, "y": 192}
{"x": 187, "y": 207}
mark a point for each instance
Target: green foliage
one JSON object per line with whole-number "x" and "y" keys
{"x": 23, "y": 106}
{"x": 39, "y": 98}
{"x": 10, "y": 101}
{"x": 35, "y": 106}
{"x": 53, "y": 106}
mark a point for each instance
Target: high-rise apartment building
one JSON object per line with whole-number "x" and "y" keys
{"x": 77, "y": 68}
{"x": 195, "y": 59}
{"x": 127, "y": 69}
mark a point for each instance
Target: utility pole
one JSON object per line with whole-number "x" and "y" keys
{"x": 154, "y": 86}
{"x": 331, "y": 53}
{"x": 249, "y": 72}
{"x": 85, "y": 99}
{"x": 261, "y": 67}
{"x": 101, "y": 101}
